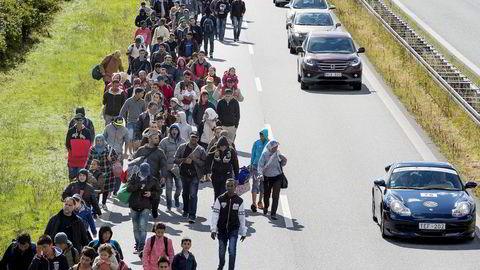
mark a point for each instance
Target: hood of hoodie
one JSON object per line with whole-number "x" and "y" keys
{"x": 211, "y": 114}
{"x": 183, "y": 118}
{"x": 104, "y": 229}
{"x": 265, "y": 133}
{"x": 170, "y": 131}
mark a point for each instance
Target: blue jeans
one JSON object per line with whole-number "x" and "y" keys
{"x": 140, "y": 222}
{"x": 206, "y": 39}
{"x": 221, "y": 24}
{"x": 229, "y": 239}
{"x": 237, "y": 26}
{"x": 189, "y": 195}
{"x": 169, "y": 188}
{"x": 73, "y": 172}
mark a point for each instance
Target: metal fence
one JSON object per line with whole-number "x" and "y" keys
{"x": 466, "y": 93}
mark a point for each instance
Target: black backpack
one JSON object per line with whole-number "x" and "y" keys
{"x": 165, "y": 244}
{"x": 208, "y": 25}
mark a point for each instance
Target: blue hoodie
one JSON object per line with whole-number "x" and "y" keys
{"x": 257, "y": 149}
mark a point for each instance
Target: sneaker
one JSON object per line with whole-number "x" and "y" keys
{"x": 169, "y": 208}
{"x": 104, "y": 207}
{"x": 260, "y": 205}
{"x": 136, "y": 252}
{"x": 274, "y": 217}
{"x": 253, "y": 208}
{"x": 154, "y": 213}
{"x": 265, "y": 211}
{"x": 191, "y": 220}
{"x": 211, "y": 55}
{"x": 177, "y": 202}
{"x": 185, "y": 215}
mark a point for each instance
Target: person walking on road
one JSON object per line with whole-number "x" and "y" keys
{"x": 19, "y": 254}
{"x": 169, "y": 145}
{"x": 85, "y": 213}
{"x": 222, "y": 9}
{"x": 185, "y": 128}
{"x": 190, "y": 157}
{"x": 228, "y": 111}
{"x": 87, "y": 256}
{"x": 113, "y": 100}
{"x": 131, "y": 110}
{"x": 68, "y": 222}
{"x": 71, "y": 253}
{"x": 208, "y": 25}
{"x": 185, "y": 259}
{"x": 85, "y": 190}
{"x": 257, "y": 185}
{"x": 157, "y": 161}
{"x": 270, "y": 171}
{"x": 238, "y": 10}
{"x": 143, "y": 187}
{"x": 228, "y": 221}
{"x": 111, "y": 64}
{"x": 78, "y": 142}
{"x": 48, "y": 257}
{"x": 157, "y": 246}
{"x": 105, "y": 155}
{"x": 105, "y": 234}
{"x": 221, "y": 161}
{"x": 116, "y": 135}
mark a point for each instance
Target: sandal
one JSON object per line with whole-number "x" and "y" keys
{"x": 253, "y": 208}
{"x": 260, "y": 205}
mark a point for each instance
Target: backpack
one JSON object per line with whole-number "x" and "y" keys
{"x": 165, "y": 244}
{"x": 96, "y": 74}
{"x": 208, "y": 26}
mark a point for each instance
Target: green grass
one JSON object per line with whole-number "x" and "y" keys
{"x": 37, "y": 100}
{"x": 447, "y": 124}
{"x": 432, "y": 41}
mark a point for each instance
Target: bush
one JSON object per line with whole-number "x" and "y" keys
{"x": 18, "y": 20}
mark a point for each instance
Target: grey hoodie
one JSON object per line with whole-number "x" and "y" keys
{"x": 185, "y": 128}
{"x": 116, "y": 137}
{"x": 169, "y": 145}
{"x": 134, "y": 108}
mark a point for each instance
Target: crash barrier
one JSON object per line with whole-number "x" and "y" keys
{"x": 461, "y": 88}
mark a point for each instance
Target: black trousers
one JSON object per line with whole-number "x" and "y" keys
{"x": 218, "y": 182}
{"x": 271, "y": 185}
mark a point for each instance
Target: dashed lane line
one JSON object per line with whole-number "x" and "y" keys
{"x": 258, "y": 84}
{"x": 287, "y": 216}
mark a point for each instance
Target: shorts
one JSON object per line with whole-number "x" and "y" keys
{"x": 131, "y": 129}
{"x": 257, "y": 185}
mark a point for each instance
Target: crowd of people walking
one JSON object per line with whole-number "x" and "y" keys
{"x": 174, "y": 121}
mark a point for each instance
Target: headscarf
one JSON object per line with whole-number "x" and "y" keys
{"x": 267, "y": 152}
{"x": 100, "y": 148}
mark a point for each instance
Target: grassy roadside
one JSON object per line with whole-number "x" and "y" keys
{"x": 432, "y": 41}
{"x": 445, "y": 122}
{"x": 37, "y": 100}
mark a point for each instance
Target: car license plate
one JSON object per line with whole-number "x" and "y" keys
{"x": 431, "y": 226}
{"x": 335, "y": 74}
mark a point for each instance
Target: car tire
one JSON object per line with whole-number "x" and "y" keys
{"x": 288, "y": 44}
{"x": 373, "y": 212}
{"x": 471, "y": 237}
{"x": 303, "y": 86}
{"x": 357, "y": 86}
{"x": 293, "y": 50}
{"x": 299, "y": 78}
{"x": 382, "y": 227}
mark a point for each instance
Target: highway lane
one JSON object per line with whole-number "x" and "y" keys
{"x": 454, "y": 21}
{"x": 337, "y": 142}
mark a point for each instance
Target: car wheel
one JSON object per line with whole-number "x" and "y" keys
{"x": 303, "y": 86}
{"x": 288, "y": 44}
{"x": 373, "y": 212}
{"x": 470, "y": 237}
{"x": 382, "y": 227}
{"x": 357, "y": 86}
{"x": 293, "y": 50}
{"x": 277, "y": 4}
{"x": 299, "y": 78}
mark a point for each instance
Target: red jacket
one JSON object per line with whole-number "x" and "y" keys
{"x": 78, "y": 144}
{"x": 145, "y": 33}
{"x": 167, "y": 91}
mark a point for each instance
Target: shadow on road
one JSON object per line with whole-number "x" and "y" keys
{"x": 244, "y": 154}
{"x": 216, "y": 60}
{"x": 333, "y": 89}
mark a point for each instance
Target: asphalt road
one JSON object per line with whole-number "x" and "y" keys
{"x": 454, "y": 21}
{"x": 337, "y": 142}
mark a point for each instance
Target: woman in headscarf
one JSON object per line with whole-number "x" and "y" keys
{"x": 270, "y": 169}
{"x": 106, "y": 155}
{"x": 206, "y": 128}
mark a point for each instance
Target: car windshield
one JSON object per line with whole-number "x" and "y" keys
{"x": 303, "y": 4}
{"x": 320, "y": 19}
{"x": 330, "y": 45}
{"x": 425, "y": 179}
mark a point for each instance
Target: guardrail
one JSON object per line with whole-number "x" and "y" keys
{"x": 464, "y": 92}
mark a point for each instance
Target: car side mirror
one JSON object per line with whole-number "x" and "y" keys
{"x": 387, "y": 168}
{"x": 300, "y": 49}
{"x": 361, "y": 50}
{"x": 337, "y": 25}
{"x": 287, "y": 5}
{"x": 332, "y": 7}
{"x": 380, "y": 183}
{"x": 470, "y": 185}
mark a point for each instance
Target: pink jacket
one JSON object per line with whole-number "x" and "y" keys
{"x": 151, "y": 256}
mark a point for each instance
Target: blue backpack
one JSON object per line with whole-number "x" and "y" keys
{"x": 243, "y": 175}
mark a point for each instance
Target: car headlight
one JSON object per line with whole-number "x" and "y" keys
{"x": 296, "y": 34}
{"x": 309, "y": 61}
{"x": 399, "y": 208}
{"x": 461, "y": 209}
{"x": 355, "y": 62}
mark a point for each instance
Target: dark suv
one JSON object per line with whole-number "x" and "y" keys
{"x": 329, "y": 57}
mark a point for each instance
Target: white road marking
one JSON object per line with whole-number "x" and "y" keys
{"x": 258, "y": 84}
{"x": 402, "y": 121}
{"x": 250, "y": 49}
{"x": 270, "y": 132}
{"x": 286, "y": 211}
{"x": 444, "y": 43}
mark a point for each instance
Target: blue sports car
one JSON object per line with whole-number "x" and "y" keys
{"x": 423, "y": 199}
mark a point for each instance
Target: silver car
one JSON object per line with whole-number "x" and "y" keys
{"x": 305, "y": 21}
{"x": 295, "y": 5}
